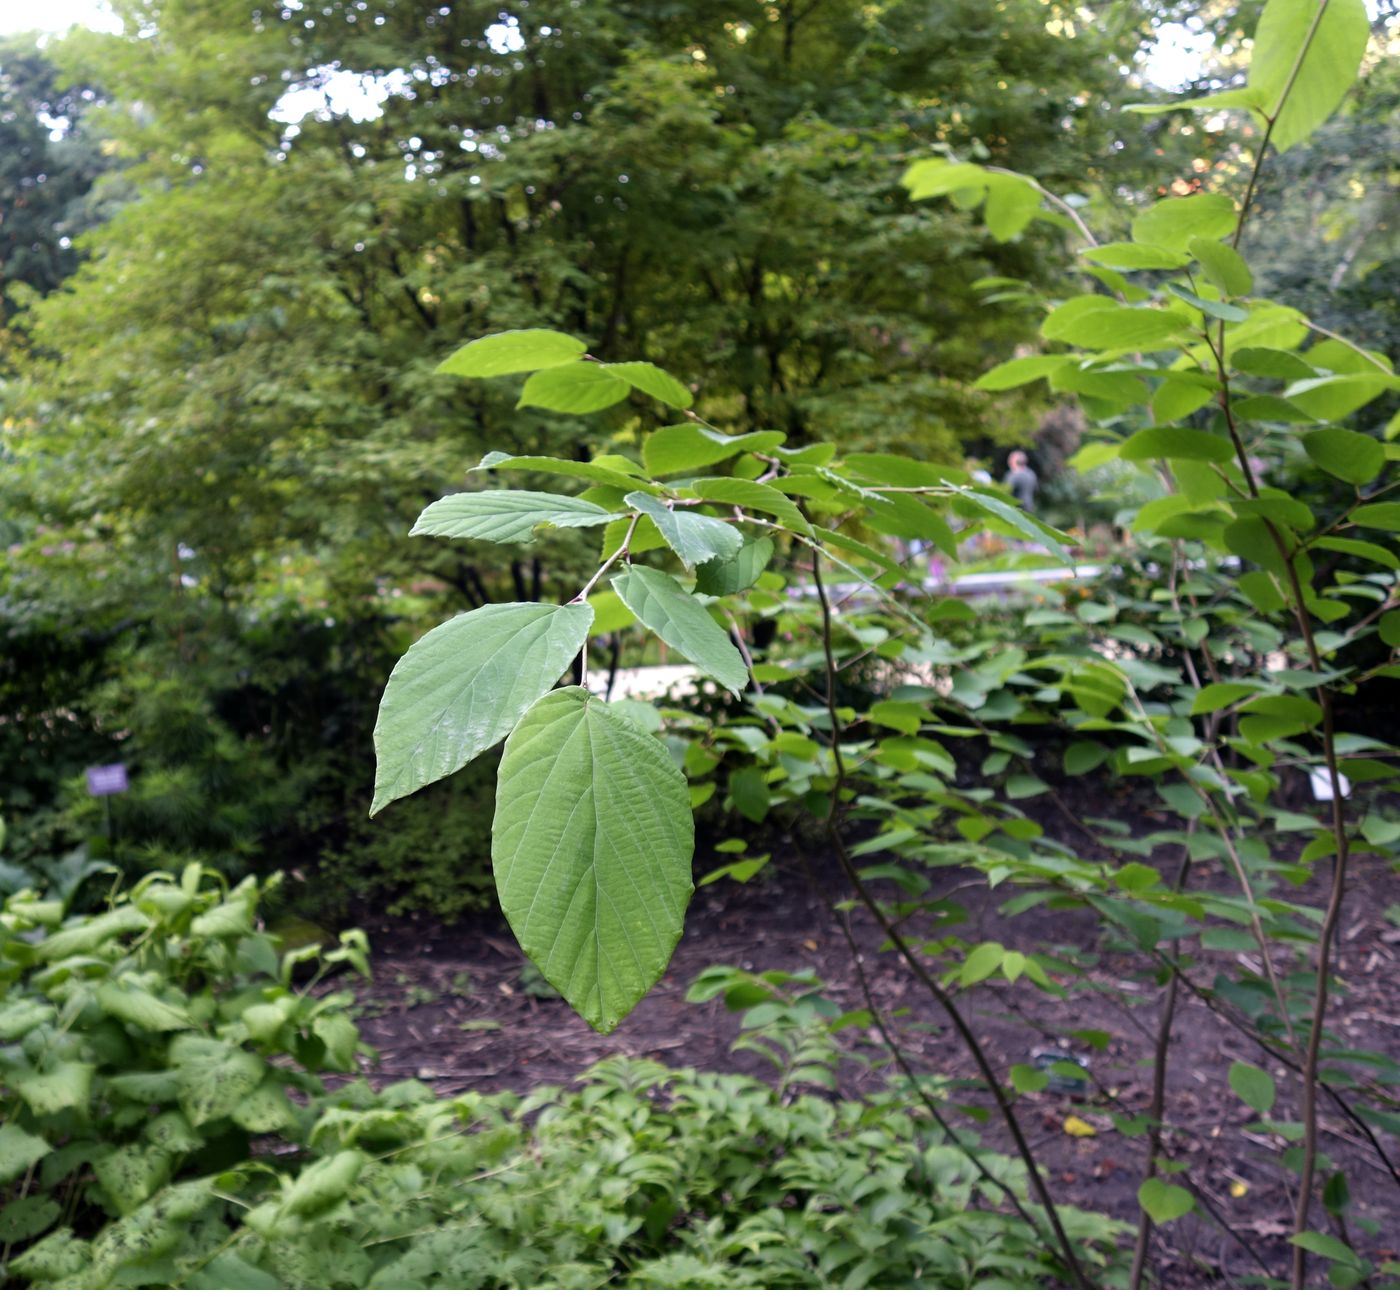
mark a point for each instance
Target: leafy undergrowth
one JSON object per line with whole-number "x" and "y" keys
{"x": 167, "y": 1124}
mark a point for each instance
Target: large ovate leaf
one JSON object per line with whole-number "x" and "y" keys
{"x": 1329, "y": 38}
{"x": 664, "y": 606}
{"x": 1135, "y": 255}
{"x": 695, "y": 538}
{"x": 1012, "y": 202}
{"x": 1164, "y": 1202}
{"x": 1347, "y": 454}
{"x": 1223, "y": 265}
{"x": 528, "y": 350}
{"x": 505, "y": 515}
{"x": 591, "y": 848}
{"x": 64, "y": 1086}
{"x": 574, "y": 387}
{"x": 140, "y": 1008}
{"x": 463, "y": 686}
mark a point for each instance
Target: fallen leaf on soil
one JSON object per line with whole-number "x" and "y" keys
{"x": 1077, "y": 1128}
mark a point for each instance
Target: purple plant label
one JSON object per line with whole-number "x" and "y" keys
{"x": 103, "y": 781}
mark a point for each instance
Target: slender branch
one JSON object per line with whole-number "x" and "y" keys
{"x": 921, "y": 973}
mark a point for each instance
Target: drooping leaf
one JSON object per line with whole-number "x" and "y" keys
{"x": 1027, "y": 525}
{"x": 213, "y": 1078}
{"x": 462, "y": 687}
{"x": 1378, "y": 515}
{"x": 695, "y": 538}
{"x": 528, "y": 350}
{"x": 1329, "y": 38}
{"x": 503, "y": 515}
{"x": 1361, "y": 550}
{"x": 591, "y": 848}
{"x": 937, "y": 177}
{"x": 739, "y": 572}
{"x": 650, "y": 379}
{"x": 1217, "y": 309}
{"x": 663, "y": 605}
{"x": 573, "y": 387}
{"x": 1347, "y": 454}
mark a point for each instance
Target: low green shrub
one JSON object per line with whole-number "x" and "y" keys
{"x": 166, "y": 1124}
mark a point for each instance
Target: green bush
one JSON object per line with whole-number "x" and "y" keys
{"x": 166, "y": 1124}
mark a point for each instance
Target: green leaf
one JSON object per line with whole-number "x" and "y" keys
{"x": 591, "y": 847}
{"x": 89, "y": 933}
{"x": 981, "y": 963}
{"x": 130, "y": 1174}
{"x": 1223, "y": 265}
{"x": 1329, "y": 1247}
{"x": 1334, "y": 45}
{"x": 1211, "y": 308}
{"x": 1164, "y": 1202}
{"x": 1389, "y": 628}
{"x": 462, "y": 687}
{"x": 1254, "y": 1087}
{"x": 505, "y": 516}
{"x": 937, "y": 177}
{"x": 1175, "y": 441}
{"x": 663, "y": 605}
{"x": 140, "y": 1008}
{"x": 609, "y": 613}
{"x": 212, "y": 1077}
{"x": 1378, "y": 515}
{"x": 1114, "y": 326}
{"x": 325, "y": 1183}
{"x": 1135, "y": 255}
{"x": 1241, "y": 98}
{"x": 650, "y": 379}
{"x": 24, "y": 1219}
{"x": 1222, "y": 694}
{"x": 739, "y": 572}
{"x": 1361, "y": 550}
{"x": 267, "y": 1109}
{"x": 1027, "y": 1079}
{"x": 1177, "y": 221}
{"x": 63, "y": 1086}
{"x": 1280, "y": 364}
{"x": 1016, "y": 372}
{"x": 695, "y": 538}
{"x": 19, "y": 1150}
{"x": 341, "y": 1038}
{"x": 754, "y": 497}
{"x": 594, "y": 472}
{"x": 1332, "y": 398}
{"x": 1083, "y": 756}
{"x": 528, "y": 350}
{"x": 574, "y": 387}
{"x": 1018, "y": 519}
{"x": 748, "y": 790}
{"x": 1355, "y": 458}
{"x": 674, "y": 449}
{"x": 1012, "y": 202}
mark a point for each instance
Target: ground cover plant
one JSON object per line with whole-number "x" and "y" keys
{"x": 1264, "y": 613}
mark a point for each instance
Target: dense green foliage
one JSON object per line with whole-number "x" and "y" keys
{"x": 1234, "y": 669}
{"x": 150, "y": 1139}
